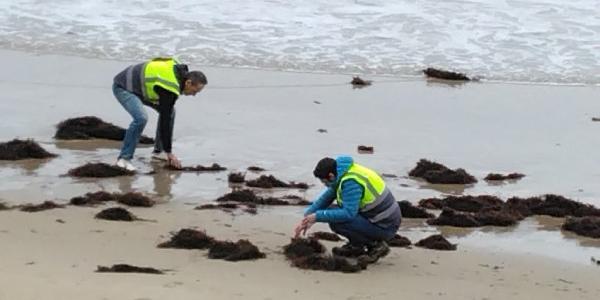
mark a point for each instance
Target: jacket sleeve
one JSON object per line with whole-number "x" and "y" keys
{"x": 352, "y": 192}
{"x": 166, "y": 101}
{"x": 323, "y": 201}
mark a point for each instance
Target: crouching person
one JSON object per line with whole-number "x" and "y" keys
{"x": 366, "y": 213}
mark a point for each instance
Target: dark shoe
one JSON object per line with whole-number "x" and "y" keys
{"x": 375, "y": 251}
{"x": 348, "y": 250}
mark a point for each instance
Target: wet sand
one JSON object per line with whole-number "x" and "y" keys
{"x": 270, "y": 119}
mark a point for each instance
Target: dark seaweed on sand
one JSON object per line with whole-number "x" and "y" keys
{"x": 434, "y": 172}
{"x": 447, "y": 75}
{"x": 99, "y": 170}
{"x": 436, "y": 242}
{"x": 125, "y": 268}
{"x": 116, "y": 214}
{"x": 23, "y": 149}
{"x": 46, "y": 205}
{"x": 89, "y": 127}
{"x": 269, "y": 181}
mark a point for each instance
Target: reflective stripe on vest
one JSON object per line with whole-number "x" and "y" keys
{"x": 159, "y": 72}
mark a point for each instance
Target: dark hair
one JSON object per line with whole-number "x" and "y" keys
{"x": 324, "y": 167}
{"x": 196, "y": 77}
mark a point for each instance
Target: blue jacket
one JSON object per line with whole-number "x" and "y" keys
{"x": 352, "y": 192}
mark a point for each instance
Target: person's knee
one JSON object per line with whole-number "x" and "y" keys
{"x": 141, "y": 120}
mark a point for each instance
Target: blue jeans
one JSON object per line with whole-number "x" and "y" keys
{"x": 360, "y": 231}
{"x": 134, "y": 106}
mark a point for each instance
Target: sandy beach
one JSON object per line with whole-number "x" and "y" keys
{"x": 271, "y": 119}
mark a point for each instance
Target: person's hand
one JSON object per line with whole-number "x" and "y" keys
{"x": 304, "y": 225}
{"x": 299, "y": 228}
{"x": 173, "y": 161}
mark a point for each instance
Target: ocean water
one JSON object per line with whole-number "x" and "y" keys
{"x": 542, "y": 41}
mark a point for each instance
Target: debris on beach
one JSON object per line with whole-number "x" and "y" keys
{"x": 431, "y": 203}
{"x": 91, "y": 199}
{"x": 434, "y": 172}
{"x": 3, "y": 206}
{"x": 309, "y": 254}
{"x": 322, "y": 130}
{"x": 595, "y": 119}
{"x": 269, "y": 181}
{"x": 215, "y": 167}
{"x": 248, "y": 196}
{"x": 326, "y": 236}
{"x": 409, "y": 211}
{"x": 23, "y": 149}
{"x": 498, "y": 216}
{"x": 243, "y": 196}
{"x": 300, "y": 247}
{"x": 585, "y": 226}
{"x": 487, "y": 210}
{"x": 466, "y": 203}
{"x": 436, "y": 242}
{"x": 255, "y": 169}
{"x": 125, "y": 268}
{"x": 450, "y": 217}
{"x": 388, "y": 175}
{"x": 99, "y": 170}
{"x": 188, "y": 239}
{"x": 230, "y": 251}
{"x": 551, "y": 205}
{"x": 359, "y": 82}
{"x": 236, "y": 177}
{"x": 365, "y": 149}
{"x": 485, "y": 217}
{"x": 296, "y": 200}
{"x": 101, "y": 197}
{"x": 596, "y": 261}
{"x": 447, "y": 75}
{"x": 399, "y": 241}
{"x": 500, "y": 177}
{"x": 229, "y": 206}
{"x": 135, "y": 199}
{"x": 46, "y": 205}
{"x": 116, "y": 214}
{"x": 89, "y": 127}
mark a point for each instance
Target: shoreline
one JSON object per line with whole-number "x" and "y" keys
{"x": 410, "y": 78}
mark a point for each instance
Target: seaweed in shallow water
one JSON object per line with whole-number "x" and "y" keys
{"x": 586, "y": 226}
{"x": 410, "y": 211}
{"x": 99, "y": 170}
{"x": 269, "y": 181}
{"x": 23, "y": 149}
{"x": 89, "y": 127}
{"x": 447, "y": 75}
{"x": 434, "y": 172}
{"x": 198, "y": 168}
